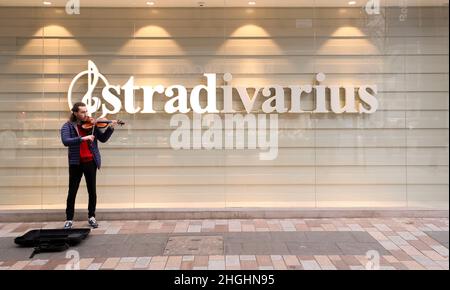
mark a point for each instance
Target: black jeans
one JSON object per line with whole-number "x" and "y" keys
{"x": 89, "y": 169}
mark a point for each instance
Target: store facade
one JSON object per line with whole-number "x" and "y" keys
{"x": 349, "y": 103}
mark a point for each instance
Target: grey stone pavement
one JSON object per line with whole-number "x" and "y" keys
{"x": 270, "y": 243}
{"x": 400, "y": 243}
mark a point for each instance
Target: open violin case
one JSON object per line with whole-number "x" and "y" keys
{"x": 52, "y": 240}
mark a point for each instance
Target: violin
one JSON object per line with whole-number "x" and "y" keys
{"x": 99, "y": 123}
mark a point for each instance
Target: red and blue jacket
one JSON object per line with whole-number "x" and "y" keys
{"x": 72, "y": 139}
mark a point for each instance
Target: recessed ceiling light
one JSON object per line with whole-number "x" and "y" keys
{"x": 47, "y": 3}
{"x": 150, "y": 3}
{"x": 251, "y": 3}
{"x": 352, "y": 3}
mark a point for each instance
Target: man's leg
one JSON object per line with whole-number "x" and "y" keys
{"x": 75, "y": 174}
{"x": 90, "y": 175}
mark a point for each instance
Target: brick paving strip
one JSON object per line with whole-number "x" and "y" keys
{"x": 311, "y": 244}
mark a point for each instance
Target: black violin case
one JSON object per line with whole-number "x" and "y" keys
{"x": 52, "y": 240}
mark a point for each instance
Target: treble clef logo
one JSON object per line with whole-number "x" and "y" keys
{"x": 93, "y": 103}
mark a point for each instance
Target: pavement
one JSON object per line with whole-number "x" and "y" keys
{"x": 254, "y": 244}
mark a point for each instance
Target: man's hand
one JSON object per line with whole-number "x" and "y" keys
{"x": 89, "y": 138}
{"x": 113, "y": 123}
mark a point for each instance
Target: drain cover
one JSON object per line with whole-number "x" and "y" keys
{"x": 194, "y": 245}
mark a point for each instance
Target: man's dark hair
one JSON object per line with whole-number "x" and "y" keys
{"x": 74, "y": 109}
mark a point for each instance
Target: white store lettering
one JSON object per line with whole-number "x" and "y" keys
{"x": 356, "y": 100}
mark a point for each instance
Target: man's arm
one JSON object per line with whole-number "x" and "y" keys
{"x": 104, "y": 136}
{"x": 65, "y": 136}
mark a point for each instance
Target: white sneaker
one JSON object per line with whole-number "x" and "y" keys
{"x": 93, "y": 223}
{"x": 68, "y": 225}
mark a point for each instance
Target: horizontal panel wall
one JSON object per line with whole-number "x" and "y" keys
{"x": 395, "y": 157}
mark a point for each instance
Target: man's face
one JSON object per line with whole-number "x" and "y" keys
{"x": 81, "y": 114}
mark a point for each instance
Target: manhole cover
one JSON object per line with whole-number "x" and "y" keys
{"x": 194, "y": 245}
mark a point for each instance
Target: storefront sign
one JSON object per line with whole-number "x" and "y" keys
{"x": 355, "y": 100}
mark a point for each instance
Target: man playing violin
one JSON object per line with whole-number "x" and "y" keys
{"x": 84, "y": 158}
